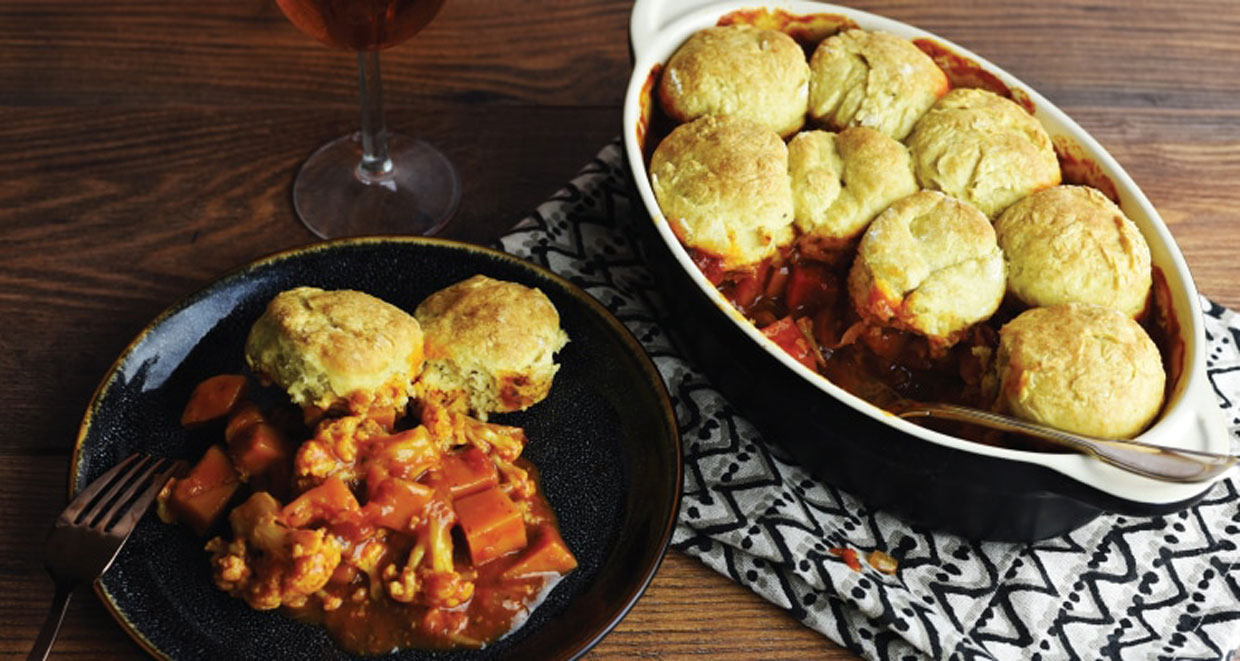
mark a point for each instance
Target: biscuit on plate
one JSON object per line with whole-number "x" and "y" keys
{"x": 841, "y": 181}
{"x": 1071, "y": 244}
{"x": 490, "y": 345}
{"x": 929, "y": 264}
{"x": 1083, "y": 368}
{"x": 343, "y": 350}
{"x": 738, "y": 70}
{"x": 874, "y": 79}
{"x": 983, "y": 149}
{"x": 723, "y": 185}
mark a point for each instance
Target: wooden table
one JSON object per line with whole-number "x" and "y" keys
{"x": 147, "y": 146}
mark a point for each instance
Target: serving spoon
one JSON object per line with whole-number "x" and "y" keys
{"x": 1153, "y": 461}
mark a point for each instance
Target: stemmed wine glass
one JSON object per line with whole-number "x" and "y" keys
{"x": 371, "y": 181}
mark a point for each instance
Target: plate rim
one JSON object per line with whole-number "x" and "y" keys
{"x": 644, "y": 362}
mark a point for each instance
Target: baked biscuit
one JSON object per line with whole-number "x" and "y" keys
{"x": 341, "y": 350}
{"x": 723, "y": 184}
{"x": 489, "y": 344}
{"x": 983, "y": 149}
{"x": 841, "y": 181}
{"x": 1082, "y": 368}
{"x": 928, "y": 264}
{"x": 738, "y": 70}
{"x": 1071, "y": 244}
{"x": 874, "y": 79}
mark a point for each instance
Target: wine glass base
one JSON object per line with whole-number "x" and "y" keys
{"x": 334, "y": 197}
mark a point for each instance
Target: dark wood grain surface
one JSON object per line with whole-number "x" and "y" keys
{"x": 147, "y": 146}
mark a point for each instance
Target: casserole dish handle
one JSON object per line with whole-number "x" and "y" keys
{"x": 651, "y": 16}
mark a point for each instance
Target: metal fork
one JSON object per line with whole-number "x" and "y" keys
{"x": 89, "y": 534}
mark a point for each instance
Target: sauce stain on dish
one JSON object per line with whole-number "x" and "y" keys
{"x": 1080, "y": 170}
{"x": 964, "y": 72}
{"x": 807, "y": 30}
{"x": 1164, "y": 328}
{"x": 645, "y": 101}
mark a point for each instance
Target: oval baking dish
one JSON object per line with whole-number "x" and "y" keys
{"x": 928, "y": 477}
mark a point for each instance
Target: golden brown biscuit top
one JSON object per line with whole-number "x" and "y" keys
{"x": 482, "y": 321}
{"x": 841, "y": 181}
{"x": 738, "y": 70}
{"x": 321, "y": 346}
{"x": 984, "y": 149}
{"x": 1071, "y": 244}
{"x": 929, "y": 264}
{"x": 874, "y": 79}
{"x": 922, "y": 234}
{"x": 723, "y": 184}
{"x": 1084, "y": 368}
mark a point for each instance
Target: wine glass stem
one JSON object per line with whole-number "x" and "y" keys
{"x": 375, "y": 163}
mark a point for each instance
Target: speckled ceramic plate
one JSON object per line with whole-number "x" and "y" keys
{"x": 605, "y": 439}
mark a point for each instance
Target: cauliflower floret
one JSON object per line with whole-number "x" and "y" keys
{"x": 450, "y": 428}
{"x": 445, "y": 425}
{"x": 269, "y": 564}
{"x": 496, "y": 440}
{"x": 334, "y": 449}
{"x": 517, "y": 483}
{"x": 429, "y": 576}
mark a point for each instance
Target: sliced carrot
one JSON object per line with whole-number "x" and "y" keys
{"x": 547, "y": 554}
{"x": 319, "y": 504}
{"x": 468, "y": 472}
{"x": 213, "y": 398}
{"x": 199, "y": 498}
{"x": 396, "y": 501}
{"x": 492, "y": 524}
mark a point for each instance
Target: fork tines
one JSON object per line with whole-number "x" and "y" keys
{"x": 103, "y": 504}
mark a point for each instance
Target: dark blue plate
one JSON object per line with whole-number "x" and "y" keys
{"x": 605, "y": 439}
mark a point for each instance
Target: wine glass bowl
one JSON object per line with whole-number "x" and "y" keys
{"x": 371, "y": 182}
{"x": 360, "y": 25}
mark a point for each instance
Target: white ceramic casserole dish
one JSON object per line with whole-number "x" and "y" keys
{"x": 1190, "y": 418}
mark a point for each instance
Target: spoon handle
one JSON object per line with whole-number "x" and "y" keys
{"x": 1154, "y": 461}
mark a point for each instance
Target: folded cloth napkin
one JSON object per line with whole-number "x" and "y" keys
{"x": 1119, "y": 587}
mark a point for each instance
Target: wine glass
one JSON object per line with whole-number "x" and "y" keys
{"x": 371, "y": 181}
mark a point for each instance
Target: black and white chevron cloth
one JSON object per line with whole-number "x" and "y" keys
{"x": 1119, "y": 588}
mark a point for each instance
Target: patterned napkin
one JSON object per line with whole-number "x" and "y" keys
{"x": 1165, "y": 587}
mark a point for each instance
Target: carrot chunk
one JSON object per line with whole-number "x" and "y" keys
{"x": 547, "y": 554}
{"x": 258, "y": 448}
{"x": 396, "y": 501}
{"x": 319, "y": 504}
{"x": 468, "y": 472}
{"x": 492, "y": 524}
{"x": 199, "y": 498}
{"x": 213, "y": 398}
{"x": 810, "y": 288}
{"x": 405, "y": 454}
{"x": 789, "y": 338}
{"x": 243, "y": 416}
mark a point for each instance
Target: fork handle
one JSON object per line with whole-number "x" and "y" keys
{"x": 51, "y": 626}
